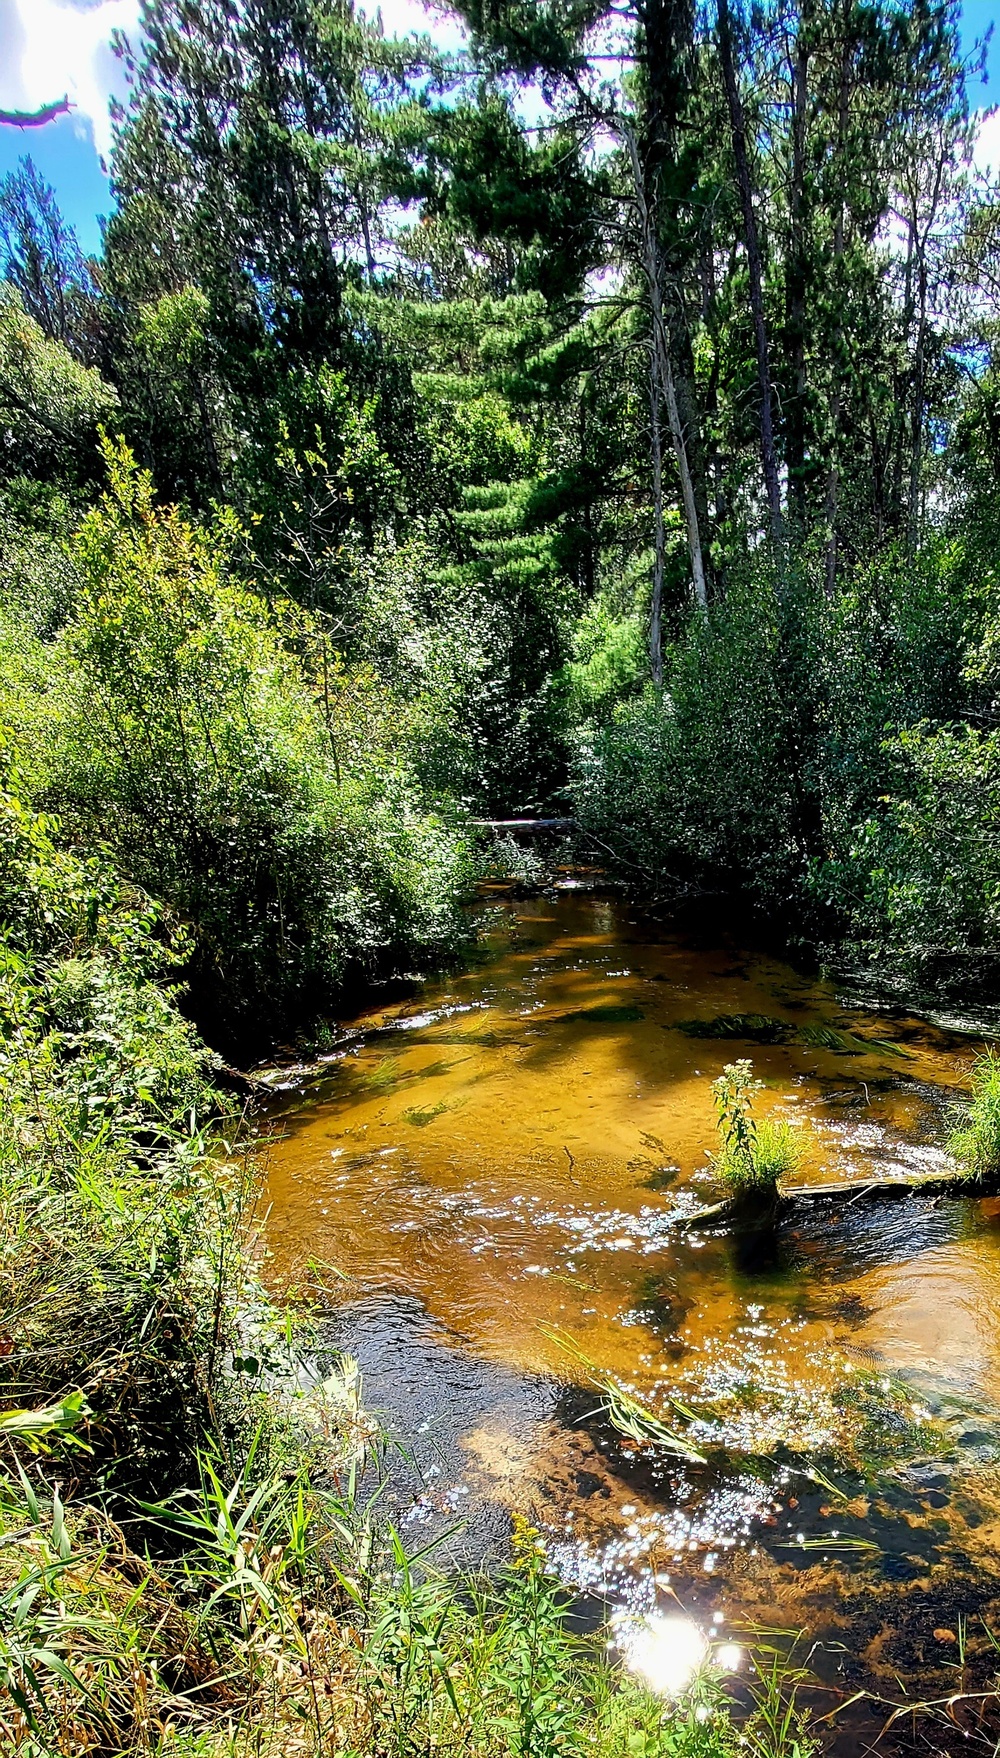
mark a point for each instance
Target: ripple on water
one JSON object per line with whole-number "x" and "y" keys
{"x": 495, "y": 1170}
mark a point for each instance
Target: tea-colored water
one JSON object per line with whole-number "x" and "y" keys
{"x": 487, "y": 1179}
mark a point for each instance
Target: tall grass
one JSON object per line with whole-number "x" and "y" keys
{"x": 291, "y": 1624}
{"x": 975, "y": 1143}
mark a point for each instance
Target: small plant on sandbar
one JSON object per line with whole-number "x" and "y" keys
{"x": 755, "y": 1153}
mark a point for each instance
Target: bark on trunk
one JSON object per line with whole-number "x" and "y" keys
{"x": 833, "y": 469}
{"x": 659, "y": 530}
{"x": 917, "y": 411}
{"x": 795, "y": 311}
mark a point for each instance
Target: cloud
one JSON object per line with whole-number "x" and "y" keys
{"x": 987, "y": 151}
{"x": 48, "y": 47}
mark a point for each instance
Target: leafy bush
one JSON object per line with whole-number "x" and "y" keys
{"x": 37, "y": 577}
{"x": 473, "y": 665}
{"x": 921, "y": 873}
{"x": 808, "y": 753}
{"x": 116, "y": 1222}
{"x": 236, "y": 770}
{"x": 609, "y": 662}
{"x": 693, "y": 786}
{"x": 50, "y": 405}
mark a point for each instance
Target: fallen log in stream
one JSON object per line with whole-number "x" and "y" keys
{"x": 760, "y": 1207}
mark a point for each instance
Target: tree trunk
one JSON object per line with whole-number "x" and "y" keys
{"x": 659, "y": 530}
{"x": 662, "y": 384}
{"x": 207, "y": 430}
{"x": 688, "y": 497}
{"x": 917, "y": 411}
{"x": 751, "y": 239}
{"x": 836, "y": 402}
{"x": 795, "y": 285}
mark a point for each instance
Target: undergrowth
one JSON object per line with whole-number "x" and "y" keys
{"x": 292, "y": 1622}
{"x": 194, "y": 1557}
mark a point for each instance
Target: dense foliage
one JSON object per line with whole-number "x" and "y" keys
{"x": 603, "y": 420}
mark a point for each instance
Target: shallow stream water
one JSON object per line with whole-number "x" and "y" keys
{"x": 485, "y": 1179}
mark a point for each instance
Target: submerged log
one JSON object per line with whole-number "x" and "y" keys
{"x": 731, "y": 1208}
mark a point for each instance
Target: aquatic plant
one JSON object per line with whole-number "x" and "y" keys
{"x": 975, "y": 1142}
{"x": 760, "y": 1028}
{"x": 754, "y": 1153}
{"x": 778, "y": 1727}
{"x": 778, "y": 1150}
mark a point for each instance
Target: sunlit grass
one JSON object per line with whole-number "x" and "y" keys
{"x": 754, "y": 1153}
{"x": 776, "y": 1152}
{"x": 975, "y": 1144}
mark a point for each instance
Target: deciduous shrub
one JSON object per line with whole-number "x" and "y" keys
{"x": 116, "y": 1222}
{"x": 236, "y": 770}
{"x": 691, "y": 785}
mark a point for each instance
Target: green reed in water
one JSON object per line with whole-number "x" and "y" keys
{"x": 975, "y": 1143}
{"x": 755, "y": 1153}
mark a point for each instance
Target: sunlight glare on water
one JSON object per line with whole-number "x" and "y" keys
{"x": 666, "y": 1652}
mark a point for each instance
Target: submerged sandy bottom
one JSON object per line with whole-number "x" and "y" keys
{"x": 483, "y": 1179}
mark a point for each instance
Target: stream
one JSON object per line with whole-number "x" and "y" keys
{"x": 483, "y": 1181}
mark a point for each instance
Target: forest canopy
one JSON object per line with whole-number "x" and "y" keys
{"x": 601, "y": 420}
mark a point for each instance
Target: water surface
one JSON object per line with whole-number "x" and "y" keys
{"x": 485, "y": 1180}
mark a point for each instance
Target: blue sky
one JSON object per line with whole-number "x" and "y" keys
{"x": 51, "y": 46}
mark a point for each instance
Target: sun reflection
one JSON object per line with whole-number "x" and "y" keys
{"x": 665, "y": 1651}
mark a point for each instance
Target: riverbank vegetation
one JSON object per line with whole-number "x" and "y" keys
{"x": 600, "y": 422}
{"x": 491, "y": 433}
{"x": 194, "y": 1558}
{"x": 975, "y": 1143}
